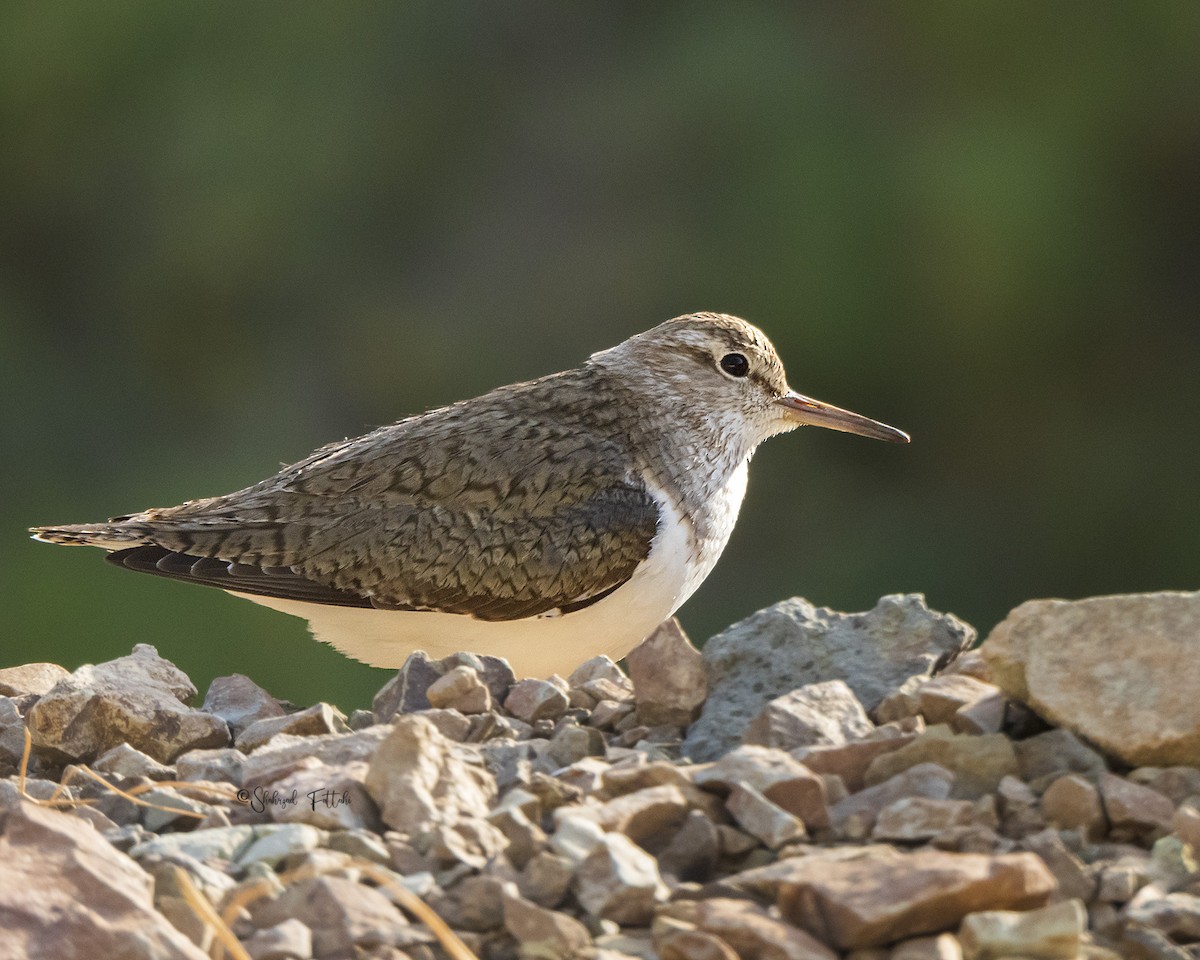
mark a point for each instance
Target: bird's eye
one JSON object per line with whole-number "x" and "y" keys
{"x": 735, "y": 364}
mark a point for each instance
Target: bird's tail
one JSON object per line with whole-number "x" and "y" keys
{"x": 115, "y": 535}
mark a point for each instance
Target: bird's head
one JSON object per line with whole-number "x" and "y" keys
{"x": 724, "y": 371}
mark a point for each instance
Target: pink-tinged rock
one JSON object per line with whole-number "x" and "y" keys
{"x": 239, "y": 701}
{"x": 66, "y": 892}
{"x": 749, "y": 929}
{"x": 1133, "y": 806}
{"x": 669, "y": 680}
{"x": 533, "y": 700}
{"x": 856, "y": 814}
{"x": 1075, "y": 662}
{"x": 884, "y": 895}
{"x": 815, "y": 713}
{"x": 460, "y": 689}
{"x": 761, "y": 818}
{"x": 915, "y": 819}
{"x": 420, "y": 780}
{"x": 1073, "y": 801}
{"x": 619, "y": 881}
{"x": 554, "y": 935}
{"x": 139, "y": 699}
{"x": 850, "y": 760}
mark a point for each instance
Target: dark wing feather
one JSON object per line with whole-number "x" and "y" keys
{"x": 518, "y": 503}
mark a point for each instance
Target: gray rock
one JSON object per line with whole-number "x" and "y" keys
{"x": 816, "y": 714}
{"x": 1049, "y": 755}
{"x": 239, "y": 701}
{"x": 138, "y": 699}
{"x": 285, "y": 752}
{"x": 124, "y": 761}
{"x": 320, "y": 718}
{"x": 12, "y": 732}
{"x": 222, "y": 765}
{"x": 1071, "y": 662}
{"x": 794, "y": 643}
{"x": 669, "y": 678}
{"x": 63, "y": 886}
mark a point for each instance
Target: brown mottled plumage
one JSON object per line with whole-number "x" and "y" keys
{"x": 535, "y": 500}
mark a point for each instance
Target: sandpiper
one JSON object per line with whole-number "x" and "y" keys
{"x": 544, "y": 522}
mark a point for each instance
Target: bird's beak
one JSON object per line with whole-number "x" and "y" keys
{"x": 805, "y": 410}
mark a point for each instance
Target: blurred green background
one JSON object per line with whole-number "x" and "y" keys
{"x": 233, "y": 232}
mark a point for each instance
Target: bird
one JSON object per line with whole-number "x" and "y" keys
{"x": 545, "y": 522}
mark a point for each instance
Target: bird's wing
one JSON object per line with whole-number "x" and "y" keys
{"x": 414, "y": 517}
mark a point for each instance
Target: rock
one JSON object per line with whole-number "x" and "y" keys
{"x": 12, "y": 732}
{"x": 63, "y": 888}
{"x": 883, "y": 895}
{"x": 1071, "y": 661}
{"x": 856, "y": 814}
{"x": 817, "y": 713}
{"x": 619, "y": 881}
{"x": 1185, "y": 824}
{"x": 761, "y": 818}
{"x": 331, "y": 798}
{"x": 1073, "y": 801}
{"x": 941, "y": 698}
{"x": 284, "y": 941}
{"x": 983, "y": 716}
{"x": 543, "y": 933}
{"x": 30, "y": 678}
{"x": 1175, "y": 914}
{"x": 599, "y": 668}
{"x": 1134, "y": 807}
{"x": 693, "y": 851}
{"x": 780, "y": 778}
{"x": 546, "y": 879}
{"x": 642, "y": 814}
{"x": 340, "y": 913}
{"x": 285, "y": 752}
{"x": 669, "y": 679}
{"x": 318, "y": 719}
{"x": 914, "y": 819}
{"x": 749, "y": 929}
{"x": 419, "y": 779}
{"x": 137, "y": 699}
{"x": 460, "y": 689}
{"x": 850, "y": 761}
{"x": 533, "y": 700}
{"x": 1054, "y": 753}
{"x": 1046, "y": 934}
{"x": 943, "y": 947}
{"x": 225, "y": 843}
{"x": 124, "y": 761}
{"x": 794, "y": 643}
{"x": 239, "y": 701}
{"x": 978, "y": 763}
{"x": 407, "y": 691}
{"x": 225, "y": 764}
{"x": 690, "y": 944}
{"x": 1075, "y": 881}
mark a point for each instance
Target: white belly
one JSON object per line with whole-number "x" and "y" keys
{"x": 536, "y": 646}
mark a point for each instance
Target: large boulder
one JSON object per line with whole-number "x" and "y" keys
{"x": 793, "y": 643}
{"x": 1120, "y": 671}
